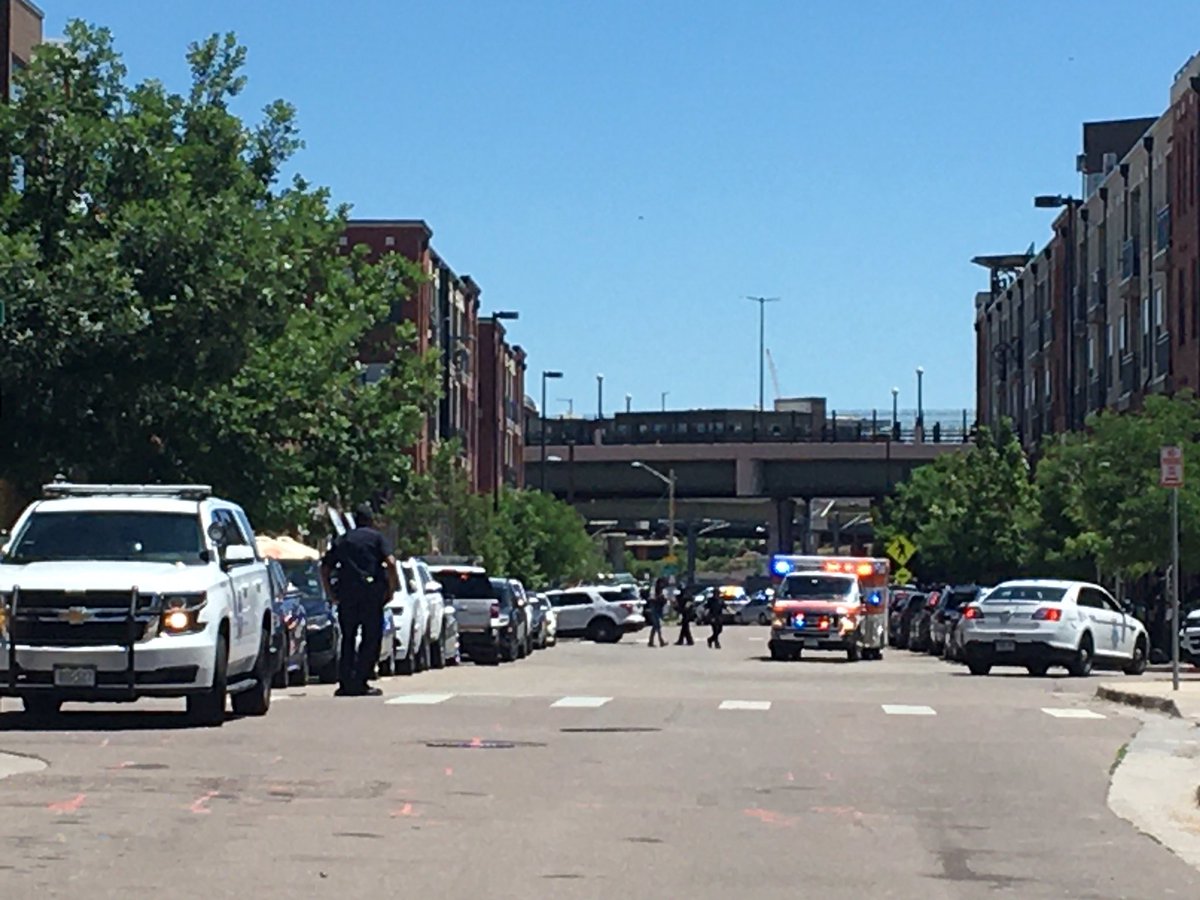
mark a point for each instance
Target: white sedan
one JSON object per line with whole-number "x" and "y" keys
{"x": 1039, "y": 623}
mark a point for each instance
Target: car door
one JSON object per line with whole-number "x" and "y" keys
{"x": 1125, "y": 628}
{"x": 434, "y": 599}
{"x": 1105, "y": 624}
{"x": 245, "y": 584}
{"x": 575, "y": 612}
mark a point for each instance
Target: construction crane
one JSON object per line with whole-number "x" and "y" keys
{"x": 774, "y": 375}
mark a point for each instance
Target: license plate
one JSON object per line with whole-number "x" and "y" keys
{"x": 74, "y": 676}
{"x": 1005, "y": 646}
{"x": 812, "y": 643}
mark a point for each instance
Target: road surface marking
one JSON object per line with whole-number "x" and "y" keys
{"x": 1071, "y": 713}
{"x": 200, "y": 805}
{"x": 418, "y": 699}
{"x": 579, "y": 702}
{"x": 758, "y": 705}
{"x": 901, "y": 710}
{"x": 67, "y": 806}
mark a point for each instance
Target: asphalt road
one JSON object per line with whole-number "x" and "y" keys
{"x": 595, "y": 771}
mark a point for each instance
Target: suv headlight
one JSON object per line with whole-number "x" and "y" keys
{"x": 181, "y": 613}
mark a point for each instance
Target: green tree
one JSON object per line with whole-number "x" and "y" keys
{"x": 970, "y": 514}
{"x": 176, "y": 314}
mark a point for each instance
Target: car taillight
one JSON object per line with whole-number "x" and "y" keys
{"x": 1048, "y": 614}
{"x": 972, "y": 612}
{"x": 495, "y": 610}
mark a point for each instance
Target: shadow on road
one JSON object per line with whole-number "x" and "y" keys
{"x": 807, "y": 660}
{"x": 85, "y": 720}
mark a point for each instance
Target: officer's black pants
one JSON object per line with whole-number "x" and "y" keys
{"x": 359, "y": 658}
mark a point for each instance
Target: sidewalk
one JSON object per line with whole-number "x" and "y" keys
{"x": 1153, "y": 691}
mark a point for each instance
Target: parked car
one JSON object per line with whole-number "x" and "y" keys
{"x": 491, "y": 625}
{"x": 551, "y": 618}
{"x": 920, "y": 631}
{"x": 542, "y": 616}
{"x": 289, "y": 633}
{"x": 409, "y": 614}
{"x": 948, "y": 619}
{"x": 524, "y": 608}
{"x": 898, "y": 599}
{"x": 912, "y": 606}
{"x": 323, "y": 632}
{"x": 451, "y": 649}
{"x": 755, "y": 611}
{"x": 946, "y": 614}
{"x": 600, "y": 614}
{"x": 1039, "y": 623}
{"x": 435, "y": 603}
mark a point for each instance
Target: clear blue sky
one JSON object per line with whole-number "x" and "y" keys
{"x": 624, "y": 172}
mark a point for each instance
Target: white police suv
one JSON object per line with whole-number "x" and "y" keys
{"x": 116, "y": 592}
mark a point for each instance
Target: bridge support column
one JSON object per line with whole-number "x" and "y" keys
{"x": 780, "y": 534}
{"x": 835, "y": 527}
{"x": 691, "y": 552}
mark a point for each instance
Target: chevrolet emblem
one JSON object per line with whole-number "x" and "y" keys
{"x": 76, "y": 615}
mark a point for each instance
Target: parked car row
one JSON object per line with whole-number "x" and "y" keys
{"x": 1031, "y": 623}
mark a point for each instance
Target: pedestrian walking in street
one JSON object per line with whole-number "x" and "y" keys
{"x": 683, "y": 606}
{"x": 714, "y": 606}
{"x": 359, "y": 573}
{"x": 656, "y": 608}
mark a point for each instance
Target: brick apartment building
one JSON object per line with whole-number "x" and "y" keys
{"x": 482, "y": 376}
{"x": 20, "y": 32}
{"x": 1109, "y": 309}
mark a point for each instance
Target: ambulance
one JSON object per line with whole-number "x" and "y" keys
{"x": 829, "y": 603}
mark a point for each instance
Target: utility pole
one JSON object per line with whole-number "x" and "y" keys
{"x": 600, "y": 396}
{"x": 762, "y": 344}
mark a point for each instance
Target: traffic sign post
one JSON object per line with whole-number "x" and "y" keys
{"x": 1170, "y": 475}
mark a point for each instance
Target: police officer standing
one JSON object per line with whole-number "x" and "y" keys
{"x": 714, "y": 606}
{"x": 359, "y": 573}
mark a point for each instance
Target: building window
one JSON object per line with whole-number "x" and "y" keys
{"x": 1091, "y": 355}
{"x": 389, "y": 241}
{"x": 1145, "y": 316}
{"x": 1047, "y": 380}
{"x": 1158, "y": 309}
{"x": 1123, "y": 334}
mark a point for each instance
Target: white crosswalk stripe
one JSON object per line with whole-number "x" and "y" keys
{"x": 893, "y": 709}
{"x": 418, "y": 699}
{"x": 755, "y": 705}
{"x": 580, "y": 702}
{"x": 1072, "y": 713}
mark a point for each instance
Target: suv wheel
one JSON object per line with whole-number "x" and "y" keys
{"x": 437, "y": 653}
{"x": 1081, "y": 665}
{"x": 208, "y": 709}
{"x": 603, "y": 631}
{"x": 299, "y": 678}
{"x": 979, "y": 668}
{"x": 257, "y": 700}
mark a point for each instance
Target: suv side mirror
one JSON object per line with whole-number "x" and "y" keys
{"x": 238, "y": 555}
{"x": 432, "y": 587}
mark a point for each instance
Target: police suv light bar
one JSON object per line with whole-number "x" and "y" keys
{"x": 59, "y": 489}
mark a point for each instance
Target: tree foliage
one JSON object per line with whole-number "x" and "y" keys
{"x": 969, "y": 514}
{"x": 175, "y": 313}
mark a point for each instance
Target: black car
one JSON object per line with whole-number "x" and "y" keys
{"x": 920, "y": 629}
{"x": 897, "y": 626}
{"x": 323, "y": 634}
{"x": 289, "y": 637}
{"x": 947, "y": 615}
{"x": 901, "y": 620}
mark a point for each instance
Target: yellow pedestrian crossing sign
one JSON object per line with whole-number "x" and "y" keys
{"x": 902, "y": 576}
{"x": 901, "y": 549}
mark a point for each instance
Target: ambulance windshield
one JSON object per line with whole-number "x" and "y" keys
{"x": 815, "y": 586}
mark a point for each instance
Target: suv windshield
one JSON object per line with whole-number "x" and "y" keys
{"x": 1033, "y": 593}
{"x": 466, "y": 585}
{"x": 113, "y": 535}
{"x": 805, "y": 586}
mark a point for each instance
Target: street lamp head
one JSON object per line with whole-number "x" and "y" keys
{"x": 895, "y": 391}
{"x": 920, "y": 370}
{"x": 638, "y": 464}
{"x": 506, "y": 315}
{"x": 554, "y": 458}
{"x": 599, "y": 376}
{"x": 1049, "y": 201}
{"x": 552, "y": 374}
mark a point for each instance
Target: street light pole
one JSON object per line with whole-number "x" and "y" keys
{"x": 545, "y": 376}
{"x": 762, "y": 344}
{"x": 921, "y": 401}
{"x": 628, "y": 402}
{"x": 669, "y": 481}
{"x": 600, "y": 396}
{"x": 664, "y": 400}
{"x": 895, "y": 408}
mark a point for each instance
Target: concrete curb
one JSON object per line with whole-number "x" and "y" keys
{"x": 13, "y": 764}
{"x": 1141, "y": 701}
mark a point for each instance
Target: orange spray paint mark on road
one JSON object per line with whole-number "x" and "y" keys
{"x": 67, "y": 806}
{"x": 791, "y": 777}
{"x": 405, "y": 811}
{"x": 449, "y": 771}
{"x": 476, "y": 742}
{"x": 770, "y": 817}
{"x": 200, "y": 804}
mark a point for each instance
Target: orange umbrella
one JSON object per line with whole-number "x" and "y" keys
{"x": 284, "y": 547}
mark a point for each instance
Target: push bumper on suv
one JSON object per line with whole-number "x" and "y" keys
{"x": 633, "y": 622}
{"x": 168, "y": 666}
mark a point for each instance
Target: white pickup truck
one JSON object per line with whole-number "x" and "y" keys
{"x": 116, "y": 592}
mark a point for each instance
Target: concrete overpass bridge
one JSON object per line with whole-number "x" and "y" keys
{"x": 761, "y": 483}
